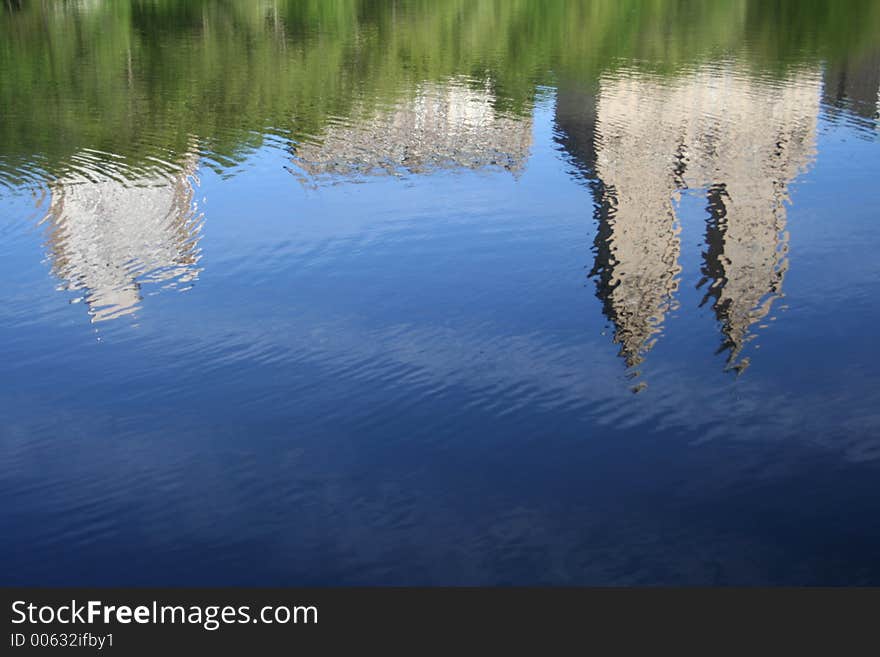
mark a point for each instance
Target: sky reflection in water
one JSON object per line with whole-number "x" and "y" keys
{"x": 361, "y": 292}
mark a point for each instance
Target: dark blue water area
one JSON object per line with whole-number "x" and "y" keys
{"x": 410, "y": 380}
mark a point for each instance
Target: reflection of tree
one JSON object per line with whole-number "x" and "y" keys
{"x": 108, "y": 236}
{"x": 139, "y": 78}
{"x": 742, "y": 139}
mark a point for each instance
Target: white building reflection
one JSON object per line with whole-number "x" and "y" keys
{"x": 110, "y": 233}
{"x": 644, "y": 140}
{"x": 439, "y": 126}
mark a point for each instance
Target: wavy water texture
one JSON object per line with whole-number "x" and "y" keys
{"x": 430, "y": 250}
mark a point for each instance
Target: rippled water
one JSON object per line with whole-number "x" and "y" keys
{"x": 461, "y": 292}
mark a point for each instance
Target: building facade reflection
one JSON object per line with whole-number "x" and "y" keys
{"x": 440, "y": 126}
{"x": 110, "y": 233}
{"x": 641, "y": 140}
{"x": 853, "y": 85}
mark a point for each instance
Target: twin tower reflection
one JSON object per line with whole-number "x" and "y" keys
{"x": 641, "y": 142}
{"x": 637, "y": 140}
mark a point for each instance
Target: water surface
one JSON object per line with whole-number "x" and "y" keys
{"x": 459, "y": 292}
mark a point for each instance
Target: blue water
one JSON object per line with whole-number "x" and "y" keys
{"x": 418, "y": 376}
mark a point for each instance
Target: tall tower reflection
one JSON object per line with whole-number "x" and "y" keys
{"x": 111, "y": 232}
{"x": 640, "y": 140}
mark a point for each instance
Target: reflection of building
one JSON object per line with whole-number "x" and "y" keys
{"x": 110, "y": 235}
{"x": 441, "y": 126}
{"x": 741, "y": 139}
